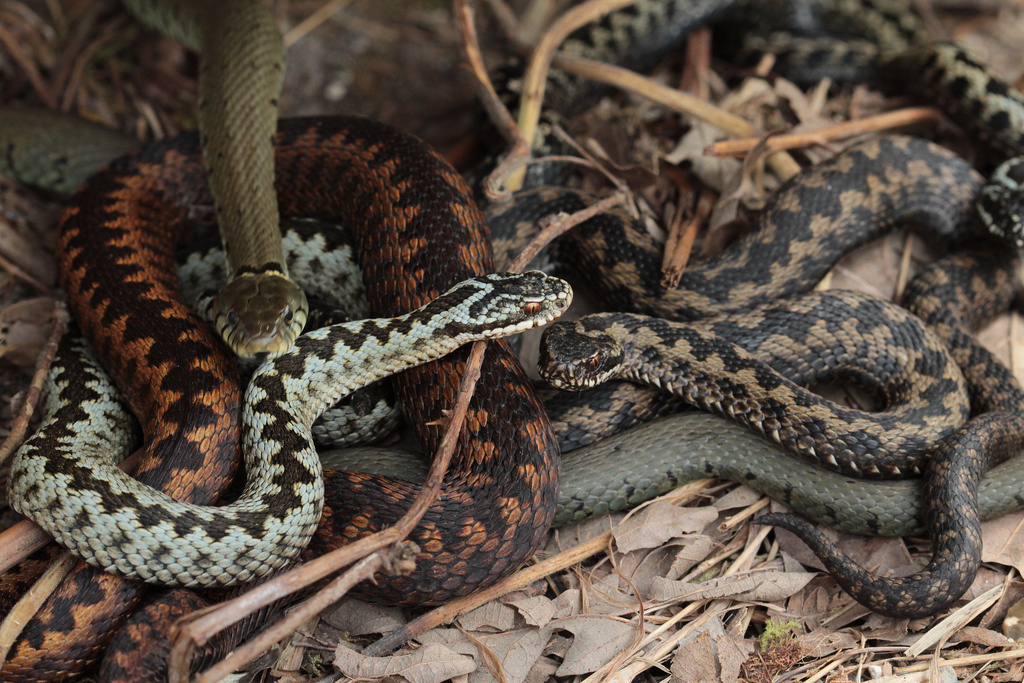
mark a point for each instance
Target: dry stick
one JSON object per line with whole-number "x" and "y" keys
{"x": 559, "y": 224}
{"x": 30, "y": 603}
{"x": 20, "y": 425}
{"x": 889, "y": 120}
{"x": 82, "y": 60}
{"x": 782, "y": 164}
{"x": 11, "y": 269}
{"x": 486, "y": 93}
{"x": 195, "y": 630}
{"x": 318, "y": 17}
{"x": 454, "y": 608}
{"x": 10, "y": 43}
{"x": 681, "y": 238}
{"x": 363, "y": 570}
{"x": 519, "y": 147}
{"x": 535, "y": 78}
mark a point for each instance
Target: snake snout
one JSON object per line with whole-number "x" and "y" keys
{"x": 1000, "y": 203}
{"x": 572, "y": 359}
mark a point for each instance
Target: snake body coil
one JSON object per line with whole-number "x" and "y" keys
{"x": 96, "y": 510}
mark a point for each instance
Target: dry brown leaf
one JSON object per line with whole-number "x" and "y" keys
{"x": 358, "y": 618}
{"x": 982, "y": 636}
{"x": 739, "y": 497}
{"x": 696, "y": 661}
{"x": 24, "y": 328}
{"x": 652, "y": 526}
{"x": 535, "y": 611}
{"x": 710, "y": 654}
{"x": 640, "y": 567}
{"x": 597, "y": 641}
{"x": 429, "y": 664}
{"x": 493, "y": 617}
{"x": 756, "y": 587}
{"x": 719, "y": 173}
{"x": 823, "y": 642}
{"x": 1004, "y": 541}
{"x": 515, "y": 651}
{"x": 695, "y": 550}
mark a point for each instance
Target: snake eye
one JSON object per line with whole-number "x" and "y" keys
{"x": 288, "y": 315}
{"x": 232, "y": 318}
{"x": 532, "y": 307}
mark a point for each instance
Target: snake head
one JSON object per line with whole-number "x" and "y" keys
{"x": 259, "y": 315}
{"x": 1000, "y": 203}
{"x": 499, "y": 304}
{"x": 573, "y": 357}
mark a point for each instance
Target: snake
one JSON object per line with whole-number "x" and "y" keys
{"x": 260, "y": 310}
{"x": 366, "y": 158}
{"x": 139, "y": 532}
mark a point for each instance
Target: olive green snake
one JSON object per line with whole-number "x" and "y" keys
{"x": 259, "y": 312}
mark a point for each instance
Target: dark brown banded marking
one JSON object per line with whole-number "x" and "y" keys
{"x": 872, "y": 188}
{"x": 713, "y": 367}
{"x": 115, "y": 258}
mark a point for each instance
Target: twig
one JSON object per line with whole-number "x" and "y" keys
{"x": 452, "y": 609}
{"x": 308, "y": 24}
{"x": 363, "y": 570}
{"x": 10, "y": 43}
{"x": 535, "y": 78}
{"x": 783, "y": 164}
{"x": 30, "y": 603}
{"x": 14, "y": 271}
{"x": 488, "y": 96}
{"x": 681, "y": 236}
{"x": 887, "y": 121}
{"x": 560, "y": 224}
{"x": 19, "y": 541}
{"x": 20, "y": 424}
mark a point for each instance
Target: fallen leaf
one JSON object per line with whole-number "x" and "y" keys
{"x": 429, "y": 664}
{"x": 360, "y": 618}
{"x": 823, "y": 642}
{"x": 696, "y": 662}
{"x": 695, "y": 549}
{"x": 535, "y": 611}
{"x": 493, "y": 616}
{"x": 515, "y": 652}
{"x": 657, "y": 523}
{"x": 1004, "y": 541}
{"x": 597, "y": 640}
{"x": 982, "y": 636}
{"x": 755, "y": 586}
{"x": 24, "y": 328}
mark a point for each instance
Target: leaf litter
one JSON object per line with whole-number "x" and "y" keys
{"x": 684, "y": 591}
